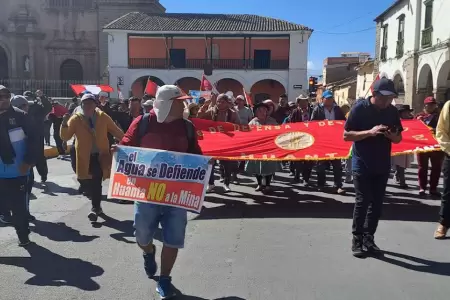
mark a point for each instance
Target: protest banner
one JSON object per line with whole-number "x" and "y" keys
{"x": 198, "y": 94}
{"x": 159, "y": 177}
{"x": 316, "y": 140}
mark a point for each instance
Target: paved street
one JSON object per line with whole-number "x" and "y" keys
{"x": 290, "y": 245}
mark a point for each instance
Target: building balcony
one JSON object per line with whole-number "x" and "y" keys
{"x": 427, "y": 37}
{"x": 224, "y": 64}
{"x": 400, "y": 49}
{"x": 383, "y": 54}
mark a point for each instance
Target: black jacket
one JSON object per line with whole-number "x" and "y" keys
{"x": 318, "y": 113}
{"x": 12, "y": 119}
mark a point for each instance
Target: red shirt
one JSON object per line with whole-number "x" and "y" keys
{"x": 163, "y": 136}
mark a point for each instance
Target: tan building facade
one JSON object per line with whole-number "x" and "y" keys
{"x": 60, "y": 39}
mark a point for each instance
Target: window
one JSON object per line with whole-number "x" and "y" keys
{"x": 215, "y": 51}
{"x": 383, "y": 54}
{"x": 427, "y": 38}
{"x": 428, "y": 14}
{"x": 401, "y": 27}
{"x": 400, "y": 36}
{"x": 261, "y": 59}
{"x": 178, "y": 58}
{"x": 385, "y": 35}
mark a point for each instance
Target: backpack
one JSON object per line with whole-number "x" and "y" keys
{"x": 190, "y": 131}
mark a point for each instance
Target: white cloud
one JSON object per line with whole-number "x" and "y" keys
{"x": 310, "y": 65}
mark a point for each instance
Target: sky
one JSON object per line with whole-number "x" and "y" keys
{"x": 339, "y": 25}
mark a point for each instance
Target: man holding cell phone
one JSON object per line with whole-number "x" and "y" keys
{"x": 373, "y": 125}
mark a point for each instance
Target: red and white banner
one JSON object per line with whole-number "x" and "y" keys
{"x": 93, "y": 89}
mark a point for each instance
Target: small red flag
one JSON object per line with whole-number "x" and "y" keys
{"x": 248, "y": 98}
{"x": 376, "y": 79}
{"x": 151, "y": 88}
{"x": 205, "y": 84}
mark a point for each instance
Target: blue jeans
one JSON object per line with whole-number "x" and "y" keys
{"x": 148, "y": 216}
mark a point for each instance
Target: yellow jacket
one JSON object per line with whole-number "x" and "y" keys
{"x": 79, "y": 127}
{"x": 443, "y": 128}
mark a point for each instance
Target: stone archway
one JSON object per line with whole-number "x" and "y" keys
{"x": 443, "y": 82}
{"x": 267, "y": 89}
{"x": 228, "y": 84}
{"x": 399, "y": 87}
{"x": 138, "y": 86}
{"x": 424, "y": 86}
{"x": 188, "y": 84}
{"x": 4, "y": 64}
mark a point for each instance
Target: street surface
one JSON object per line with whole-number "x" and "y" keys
{"x": 292, "y": 245}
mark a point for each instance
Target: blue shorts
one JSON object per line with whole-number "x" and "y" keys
{"x": 173, "y": 221}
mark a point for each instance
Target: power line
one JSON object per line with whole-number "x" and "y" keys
{"x": 352, "y": 20}
{"x": 342, "y": 33}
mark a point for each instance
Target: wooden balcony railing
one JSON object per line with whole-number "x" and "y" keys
{"x": 230, "y": 64}
{"x": 427, "y": 37}
{"x": 399, "y": 50}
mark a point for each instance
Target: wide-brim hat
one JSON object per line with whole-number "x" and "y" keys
{"x": 258, "y": 105}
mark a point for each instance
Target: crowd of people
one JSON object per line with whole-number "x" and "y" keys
{"x": 96, "y": 126}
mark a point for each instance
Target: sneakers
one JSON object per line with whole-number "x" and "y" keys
{"x": 150, "y": 265}
{"x": 25, "y": 241}
{"x": 369, "y": 245}
{"x": 441, "y": 232}
{"x": 340, "y": 191}
{"x": 357, "y": 246}
{"x": 422, "y": 193}
{"x": 5, "y": 220}
{"x": 43, "y": 179}
{"x": 210, "y": 188}
{"x": 364, "y": 245}
{"x": 31, "y": 218}
{"x": 93, "y": 215}
{"x": 227, "y": 188}
{"x": 435, "y": 194}
{"x": 258, "y": 188}
{"x": 165, "y": 288}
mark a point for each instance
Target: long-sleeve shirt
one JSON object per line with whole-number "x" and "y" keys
{"x": 443, "y": 128}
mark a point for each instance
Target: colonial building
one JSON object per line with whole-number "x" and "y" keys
{"x": 412, "y": 48}
{"x": 264, "y": 56}
{"x": 364, "y": 78}
{"x": 59, "y": 39}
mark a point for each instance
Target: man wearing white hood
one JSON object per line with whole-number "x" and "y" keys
{"x": 163, "y": 128}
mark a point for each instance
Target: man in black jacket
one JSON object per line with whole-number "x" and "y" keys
{"x": 19, "y": 147}
{"x": 328, "y": 110}
{"x": 39, "y": 109}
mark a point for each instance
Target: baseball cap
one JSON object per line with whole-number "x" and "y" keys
{"x": 88, "y": 97}
{"x": 28, "y": 94}
{"x": 4, "y": 89}
{"x": 148, "y": 103}
{"x": 19, "y": 101}
{"x": 385, "y": 87}
{"x": 327, "y": 94}
{"x": 164, "y": 99}
{"x": 429, "y": 100}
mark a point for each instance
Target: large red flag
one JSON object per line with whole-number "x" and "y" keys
{"x": 248, "y": 98}
{"x": 151, "y": 88}
{"x": 316, "y": 140}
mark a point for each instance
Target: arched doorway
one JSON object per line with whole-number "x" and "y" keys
{"x": 188, "y": 84}
{"x": 4, "y": 66}
{"x": 424, "y": 86}
{"x": 443, "y": 82}
{"x": 399, "y": 87}
{"x": 71, "y": 70}
{"x": 138, "y": 86}
{"x": 267, "y": 89}
{"x": 227, "y": 84}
